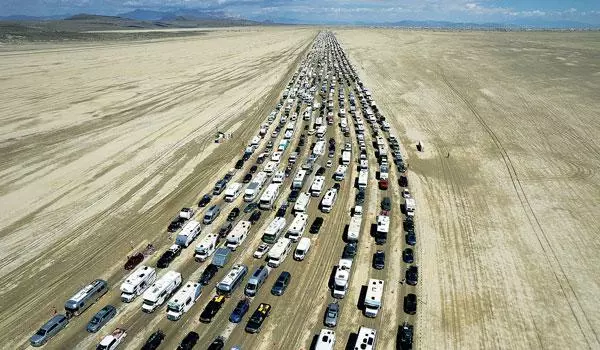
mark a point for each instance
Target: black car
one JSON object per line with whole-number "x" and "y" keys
{"x": 293, "y": 195}
{"x": 331, "y": 141}
{"x": 320, "y": 171}
{"x": 217, "y": 344}
{"x": 233, "y": 214}
{"x": 405, "y": 336}
{"x": 204, "y": 200}
{"x": 316, "y": 225}
{"x": 189, "y": 341}
{"x": 239, "y": 164}
{"x": 349, "y": 250}
{"x": 225, "y": 229}
{"x": 258, "y": 317}
{"x": 253, "y": 169}
{"x": 301, "y": 142}
{"x": 227, "y": 177}
{"x": 209, "y": 272}
{"x": 403, "y": 181}
{"x": 409, "y": 224}
{"x": 379, "y": 260}
{"x": 386, "y": 204}
{"x": 359, "y": 199}
{"x": 255, "y": 216}
{"x": 247, "y": 178}
{"x": 154, "y": 341}
{"x": 411, "y": 238}
{"x": 408, "y": 256}
{"x": 212, "y": 308}
{"x": 168, "y": 257}
{"x": 410, "y": 304}
{"x": 337, "y": 186}
{"x": 412, "y": 275}
{"x": 281, "y": 211}
{"x": 250, "y": 207}
{"x": 176, "y": 224}
{"x": 298, "y": 149}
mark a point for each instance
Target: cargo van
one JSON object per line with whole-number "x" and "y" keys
{"x": 211, "y": 214}
{"x": 302, "y": 249}
{"x": 256, "y": 280}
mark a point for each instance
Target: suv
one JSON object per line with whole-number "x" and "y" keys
{"x": 225, "y": 229}
{"x": 233, "y": 214}
{"x": 412, "y": 275}
{"x": 100, "y": 318}
{"x": 410, "y": 304}
{"x": 257, "y": 318}
{"x": 386, "y": 204}
{"x": 154, "y": 341}
{"x": 281, "y": 211}
{"x": 405, "y": 336}
{"x": 379, "y": 260}
{"x": 168, "y": 256}
{"x": 208, "y": 274}
{"x": 212, "y": 308}
{"x": 316, "y": 225}
{"x": 349, "y": 251}
{"x": 189, "y": 341}
{"x": 48, "y": 330}
{"x": 217, "y": 344}
{"x": 204, "y": 200}
{"x": 283, "y": 281}
{"x": 255, "y": 216}
{"x": 176, "y": 224}
{"x": 239, "y": 311}
{"x": 331, "y": 314}
{"x": 359, "y": 199}
{"x": 408, "y": 256}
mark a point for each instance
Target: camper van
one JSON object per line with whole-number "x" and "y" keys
{"x": 342, "y": 278}
{"x": 340, "y": 172}
{"x": 279, "y": 252}
{"x": 137, "y": 283}
{"x": 373, "y": 297}
{"x": 268, "y": 198}
{"x": 162, "y": 289}
{"x": 256, "y": 280}
{"x": 233, "y": 279}
{"x": 346, "y": 157}
{"x": 297, "y": 227}
{"x": 188, "y": 233}
{"x": 85, "y": 297}
{"x": 298, "y": 182}
{"x": 302, "y": 249}
{"x": 237, "y": 236}
{"x": 183, "y": 300}
{"x": 274, "y": 230}
{"x": 383, "y": 227}
{"x": 302, "y": 202}
{"x": 255, "y": 186}
{"x": 363, "y": 179}
{"x": 317, "y": 186}
{"x": 211, "y": 214}
{"x": 328, "y": 200}
{"x": 233, "y": 191}
{"x": 206, "y": 247}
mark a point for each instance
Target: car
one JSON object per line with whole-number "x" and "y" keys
{"x": 269, "y": 144}
{"x": 233, "y": 214}
{"x": 48, "y": 330}
{"x": 316, "y": 225}
{"x": 239, "y": 164}
{"x": 176, "y": 224}
{"x": 212, "y": 308}
{"x": 250, "y": 207}
{"x": 167, "y": 257}
{"x": 301, "y": 142}
{"x": 320, "y": 171}
{"x": 217, "y": 344}
{"x": 306, "y": 127}
{"x": 225, "y": 229}
{"x": 329, "y": 163}
{"x": 331, "y": 141}
{"x": 228, "y": 177}
{"x": 283, "y": 281}
{"x": 349, "y": 250}
{"x": 410, "y": 304}
{"x": 411, "y": 238}
{"x": 133, "y": 261}
{"x": 189, "y": 341}
{"x": 331, "y": 314}
{"x": 204, "y": 200}
{"x": 101, "y": 318}
{"x": 253, "y": 169}
{"x": 337, "y": 186}
{"x": 311, "y": 131}
{"x": 403, "y": 181}
{"x": 412, "y": 275}
{"x": 255, "y": 216}
{"x": 359, "y": 199}
{"x": 281, "y": 211}
{"x": 262, "y": 249}
{"x": 406, "y": 193}
{"x": 405, "y": 336}
{"x": 209, "y": 272}
{"x": 379, "y": 260}
{"x": 293, "y": 195}
{"x": 383, "y": 184}
{"x": 408, "y": 224}
{"x": 408, "y": 256}
{"x": 330, "y": 154}
{"x": 298, "y": 149}
{"x": 258, "y": 317}
{"x": 247, "y": 178}
{"x": 154, "y": 340}
{"x": 386, "y": 204}
{"x": 240, "y": 310}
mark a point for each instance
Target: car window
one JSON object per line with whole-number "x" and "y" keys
{"x": 41, "y": 332}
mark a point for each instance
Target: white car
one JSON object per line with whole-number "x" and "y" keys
{"x": 262, "y": 249}
{"x": 311, "y": 131}
{"x": 329, "y": 163}
{"x": 405, "y": 193}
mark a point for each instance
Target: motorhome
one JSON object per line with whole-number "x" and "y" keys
{"x": 354, "y": 228}
{"x": 340, "y": 172}
{"x": 321, "y": 130}
{"x": 279, "y": 177}
{"x": 342, "y": 278}
{"x": 318, "y": 121}
{"x": 326, "y": 340}
{"x": 373, "y": 297}
{"x": 237, "y": 236}
{"x": 255, "y": 186}
{"x": 302, "y": 248}
{"x": 233, "y": 191}
{"x": 328, "y": 200}
{"x": 274, "y": 230}
{"x": 302, "y": 202}
{"x": 346, "y": 157}
{"x": 270, "y": 167}
{"x": 256, "y": 280}
{"x": 188, "y": 233}
{"x": 366, "y": 339}
{"x": 364, "y": 164}
{"x": 363, "y": 179}
{"x": 183, "y": 300}
{"x": 410, "y": 205}
{"x": 255, "y": 141}
{"x": 268, "y": 198}
{"x": 319, "y": 148}
{"x": 317, "y": 186}
{"x": 233, "y": 279}
{"x": 160, "y": 291}
{"x": 85, "y": 297}
{"x": 383, "y": 227}
{"x": 299, "y": 179}
{"x": 137, "y": 283}
{"x": 279, "y": 252}
{"x": 297, "y": 227}
{"x": 276, "y": 156}
{"x": 206, "y": 247}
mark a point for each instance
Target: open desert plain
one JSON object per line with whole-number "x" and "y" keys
{"x": 103, "y": 143}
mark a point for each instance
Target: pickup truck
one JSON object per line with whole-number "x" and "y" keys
{"x": 112, "y": 340}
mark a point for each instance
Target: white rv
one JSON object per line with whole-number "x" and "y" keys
{"x": 326, "y": 340}
{"x": 328, "y": 200}
{"x": 276, "y": 157}
{"x": 279, "y": 177}
{"x": 299, "y": 179}
{"x": 340, "y": 172}
{"x": 233, "y": 191}
{"x": 410, "y": 205}
{"x": 366, "y": 339}
{"x": 255, "y": 140}
{"x": 188, "y": 233}
{"x": 363, "y": 179}
{"x": 137, "y": 282}
{"x": 233, "y": 279}
{"x": 237, "y": 236}
{"x": 270, "y": 167}
{"x": 297, "y": 227}
{"x": 183, "y": 300}
{"x": 342, "y": 278}
{"x": 364, "y": 164}
{"x": 302, "y": 202}
{"x": 346, "y": 157}
{"x": 255, "y": 186}
{"x": 302, "y": 248}
{"x": 279, "y": 252}
{"x": 274, "y": 230}
{"x": 317, "y": 186}
{"x": 319, "y": 148}
{"x": 267, "y": 200}
{"x": 373, "y": 297}
{"x": 321, "y": 130}
{"x": 354, "y": 228}
{"x": 383, "y": 228}
{"x": 206, "y": 247}
{"x": 162, "y": 289}
{"x": 318, "y": 121}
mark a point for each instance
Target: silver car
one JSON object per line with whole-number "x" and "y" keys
{"x": 331, "y": 314}
{"x": 48, "y": 330}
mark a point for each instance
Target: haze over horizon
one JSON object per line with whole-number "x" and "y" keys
{"x": 335, "y": 11}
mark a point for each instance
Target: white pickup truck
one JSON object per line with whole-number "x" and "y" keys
{"x": 112, "y": 341}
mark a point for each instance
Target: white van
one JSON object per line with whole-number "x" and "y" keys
{"x": 302, "y": 249}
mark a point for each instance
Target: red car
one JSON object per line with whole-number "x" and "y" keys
{"x": 383, "y": 184}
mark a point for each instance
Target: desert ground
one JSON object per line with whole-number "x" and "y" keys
{"x": 508, "y": 223}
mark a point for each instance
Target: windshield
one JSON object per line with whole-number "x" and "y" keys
{"x": 148, "y": 302}
{"x": 41, "y": 332}
{"x": 94, "y": 320}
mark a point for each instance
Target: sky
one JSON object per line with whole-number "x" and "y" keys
{"x": 334, "y": 11}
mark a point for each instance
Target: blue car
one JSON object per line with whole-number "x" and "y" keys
{"x": 239, "y": 311}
